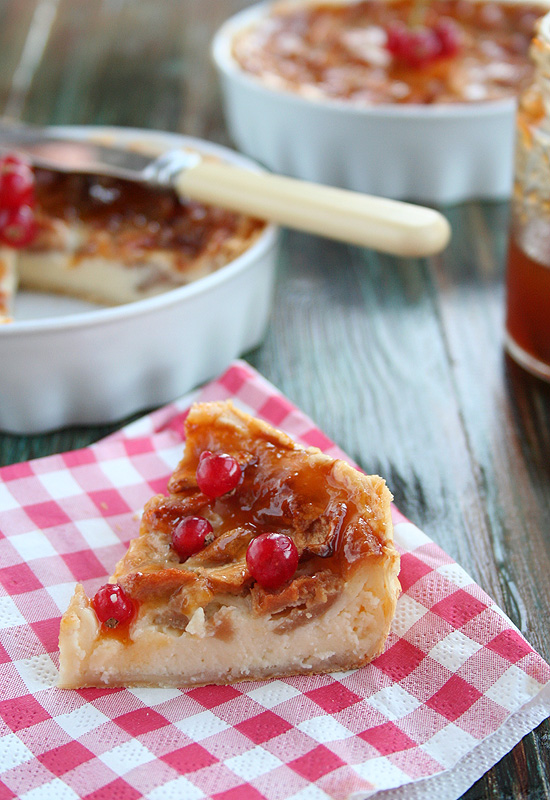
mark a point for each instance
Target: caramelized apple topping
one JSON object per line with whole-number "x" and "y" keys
{"x": 297, "y": 603}
{"x": 283, "y": 492}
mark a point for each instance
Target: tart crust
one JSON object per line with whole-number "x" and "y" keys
{"x": 205, "y": 620}
{"x": 8, "y": 283}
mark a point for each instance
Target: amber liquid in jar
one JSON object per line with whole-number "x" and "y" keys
{"x": 528, "y": 269}
{"x": 528, "y": 309}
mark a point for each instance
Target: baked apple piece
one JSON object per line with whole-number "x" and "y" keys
{"x": 265, "y": 559}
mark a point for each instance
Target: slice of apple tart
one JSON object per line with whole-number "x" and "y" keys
{"x": 265, "y": 559}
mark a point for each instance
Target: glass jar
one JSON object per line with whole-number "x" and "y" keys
{"x": 528, "y": 267}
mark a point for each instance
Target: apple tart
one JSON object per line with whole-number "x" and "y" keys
{"x": 264, "y": 559}
{"x": 110, "y": 241}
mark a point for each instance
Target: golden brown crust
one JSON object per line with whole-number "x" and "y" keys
{"x": 8, "y": 283}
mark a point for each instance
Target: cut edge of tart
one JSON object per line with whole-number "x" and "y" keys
{"x": 219, "y": 609}
{"x": 8, "y": 283}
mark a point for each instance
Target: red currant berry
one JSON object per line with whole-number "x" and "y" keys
{"x": 217, "y": 473}
{"x": 272, "y": 559}
{"x": 448, "y": 34}
{"x": 17, "y": 226}
{"x": 397, "y": 36}
{"x": 189, "y": 535}
{"x": 16, "y": 183}
{"x": 414, "y": 46}
{"x": 112, "y": 606}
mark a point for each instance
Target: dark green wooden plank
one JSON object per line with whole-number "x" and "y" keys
{"x": 132, "y": 64}
{"x": 514, "y": 491}
{"x": 15, "y": 21}
{"x": 508, "y": 525}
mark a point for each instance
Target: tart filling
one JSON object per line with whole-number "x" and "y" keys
{"x": 110, "y": 241}
{"x": 294, "y": 571}
{"x": 370, "y": 52}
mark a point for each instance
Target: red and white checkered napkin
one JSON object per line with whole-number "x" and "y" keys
{"x": 455, "y": 689}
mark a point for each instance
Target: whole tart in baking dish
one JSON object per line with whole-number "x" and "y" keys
{"x": 110, "y": 241}
{"x": 286, "y": 567}
{"x": 373, "y": 52}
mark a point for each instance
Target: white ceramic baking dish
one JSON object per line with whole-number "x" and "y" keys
{"x": 68, "y": 363}
{"x": 429, "y": 154}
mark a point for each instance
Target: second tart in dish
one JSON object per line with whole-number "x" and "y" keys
{"x": 348, "y": 51}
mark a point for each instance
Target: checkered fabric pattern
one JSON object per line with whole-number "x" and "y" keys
{"x": 456, "y": 687}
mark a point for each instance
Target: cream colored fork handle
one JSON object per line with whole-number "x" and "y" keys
{"x": 390, "y": 226}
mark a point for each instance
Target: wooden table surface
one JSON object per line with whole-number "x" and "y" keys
{"x": 399, "y": 361}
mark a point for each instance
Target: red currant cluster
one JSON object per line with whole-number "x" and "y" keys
{"x": 421, "y": 45}
{"x": 17, "y": 220}
{"x": 272, "y": 558}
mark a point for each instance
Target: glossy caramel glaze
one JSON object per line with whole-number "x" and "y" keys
{"x": 126, "y": 220}
{"x": 337, "y": 518}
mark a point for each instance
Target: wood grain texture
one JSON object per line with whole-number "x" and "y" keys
{"x": 16, "y": 20}
{"x": 400, "y": 361}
